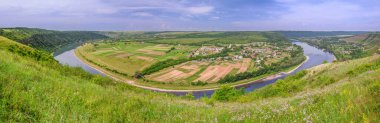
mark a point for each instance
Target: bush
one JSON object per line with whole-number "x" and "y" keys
{"x": 189, "y": 96}
{"x": 138, "y": 75}
{"x": 325, "y": 62}
{"x": 199, "y": 83}
{"x": 227, "y": 93}
{"x": 208, "y": 101}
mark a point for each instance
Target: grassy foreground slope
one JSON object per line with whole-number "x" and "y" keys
{"x": 33, "y": 90}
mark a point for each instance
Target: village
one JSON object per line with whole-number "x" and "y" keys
{"x": 257, "y": 51}
{"x": 236, "y": 58}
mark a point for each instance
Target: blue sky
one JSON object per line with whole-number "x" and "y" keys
{"x": 188, "y": 15}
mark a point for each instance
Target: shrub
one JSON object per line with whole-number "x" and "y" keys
{"x": 208, "y": 101}
{"x": 227, "y": 93}
{"x": 199, "y": 83}
{"x": 325, "y": 61}
{"x": 189, "y": 96}
{"x": 138, "y": 75}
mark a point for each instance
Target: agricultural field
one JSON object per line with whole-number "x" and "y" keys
{"x": 129, "y": 57}
{"x": 192, "y": 59}
{"x": 203, "y": 71}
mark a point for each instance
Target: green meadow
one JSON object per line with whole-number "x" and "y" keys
{"x": 37, "y": 90}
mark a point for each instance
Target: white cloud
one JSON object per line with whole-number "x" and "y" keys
{"x": 91, "y": 7}
{"x": 143, "y": 14}
{"x": 200, "y": 9}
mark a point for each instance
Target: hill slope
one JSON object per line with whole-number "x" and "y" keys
{"x": 36, "y": 90}
{"x": 20, "y": 33}
{"x": 346, "y": 48}
{"x": 300, "y": 34}
{"x": 47, "y": 39}
{"x": 370, "y": 42}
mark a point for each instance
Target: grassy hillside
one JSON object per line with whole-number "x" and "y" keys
{"x": 370, "y": 42}
{"x": 21, "y": 33}
{"x": 300, "y": 34}
{"x": 346, "y": 48}
{"x": 33, "y": 90}
{"x": 48, "y": 40}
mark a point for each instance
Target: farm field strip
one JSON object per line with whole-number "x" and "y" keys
{"x": 215, "y": 72}
{"x": 177, "y": 72}
{"x": 211, "y": 73}
{"x": 129, "y": 57}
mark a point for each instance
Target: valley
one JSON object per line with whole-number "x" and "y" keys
{"x": 32, "y": 81}
{"x": 175, "y": 65}
{"x": 189, "y": 61}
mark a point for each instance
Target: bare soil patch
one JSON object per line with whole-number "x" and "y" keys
{"x": 151, "y": 52}
{"x": 356, "y": 39}
{"x": 245, "y": 65}
{"x": 120, "y": 55}
{"x": 145, "y": 58}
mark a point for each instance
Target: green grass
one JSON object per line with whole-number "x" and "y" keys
{"x": 38, "y": 91}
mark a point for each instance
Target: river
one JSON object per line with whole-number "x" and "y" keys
{"x": 316, "y": 57}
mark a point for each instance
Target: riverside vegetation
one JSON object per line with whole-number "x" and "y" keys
{"x": 36, "y": 89}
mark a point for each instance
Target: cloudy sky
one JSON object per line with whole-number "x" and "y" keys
{"x": 200, "y": 15}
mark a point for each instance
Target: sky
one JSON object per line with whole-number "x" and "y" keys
{"x": 192, "y": 15}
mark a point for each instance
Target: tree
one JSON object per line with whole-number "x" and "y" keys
{"x": 138, "y": 75}
{"x": 325, "y": 61}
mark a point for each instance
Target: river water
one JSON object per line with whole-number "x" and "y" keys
{"x": 316, "y": 57}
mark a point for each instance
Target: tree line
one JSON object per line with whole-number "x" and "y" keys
{"x": 171, "y": 62}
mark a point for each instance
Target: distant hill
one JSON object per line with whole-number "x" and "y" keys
{"x": 300, "y": 34}
{"x": 199, "y": 38}
{"x": 348, "y": 47}
{"x": 370, "y": 42}
{"x": 48, "y": 40}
